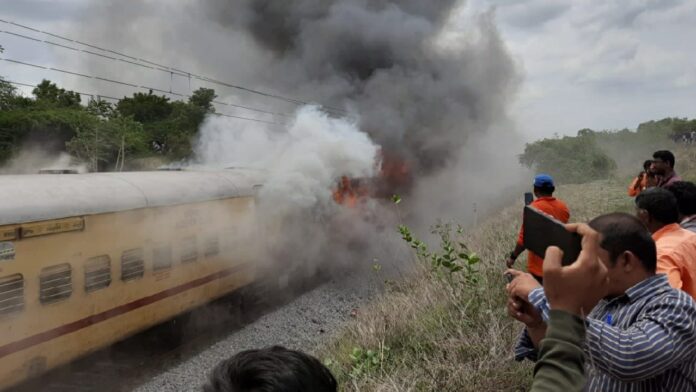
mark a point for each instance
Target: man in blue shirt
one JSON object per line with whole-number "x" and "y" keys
{"x": 641, "y": 336}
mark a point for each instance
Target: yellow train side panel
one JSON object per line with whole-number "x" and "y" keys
{"x": 191, "y": 254}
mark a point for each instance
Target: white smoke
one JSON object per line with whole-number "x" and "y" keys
{"x": 302, "y": 162}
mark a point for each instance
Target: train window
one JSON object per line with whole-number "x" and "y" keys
{"x": 189, "y": 251}
{"x": 212, "y": 247}
{"x": 161, "y": 258}
{"x": 97, "y": 273}
{"x": 11, "y": 294}
{"x": 55, "y": 283}
{"x": 132, "y": 264}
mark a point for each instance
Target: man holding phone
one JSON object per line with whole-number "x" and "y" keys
{"x": 546, "y": 203}
{"x": 642, "y": 335}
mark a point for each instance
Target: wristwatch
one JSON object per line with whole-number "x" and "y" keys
{"x": 513, "y": 256}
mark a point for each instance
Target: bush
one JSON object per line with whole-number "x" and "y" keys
{"x": 569, "y": 160}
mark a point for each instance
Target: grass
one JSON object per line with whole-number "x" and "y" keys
{"x": 436, "y": 332}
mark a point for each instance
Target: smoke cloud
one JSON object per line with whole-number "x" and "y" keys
{"x": 385, "y": 60}
{"x": 414, "y": 83}
{"x": 300, "y": 163}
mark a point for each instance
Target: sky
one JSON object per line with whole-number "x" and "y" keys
{"x": 608, "y": 64}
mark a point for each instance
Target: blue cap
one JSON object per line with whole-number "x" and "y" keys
{"x": 543, "y": 180}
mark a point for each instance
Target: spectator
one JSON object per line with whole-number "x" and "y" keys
{"x": 273, "y": 369}
{"x": 571, "y": 291}
{"x": 642, "y": 335}
{"x": 685, "y": 192}
{"x": 663, "y": 166}
{"x": 643, "y": 180}
{"x": 545, "y": 202}
{"x": 676, "y": 247}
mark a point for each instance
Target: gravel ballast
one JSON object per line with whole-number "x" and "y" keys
{"x": 302, "y": 324}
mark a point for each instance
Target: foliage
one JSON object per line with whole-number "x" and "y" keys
{"x": 593, "y": 155}
{"x": 100, "y": 133}
{"x": 108, "y": 142}
{"x": 49, "y": 95}
{"x": 453, "y": 255}
{"x": 569, "y": 159}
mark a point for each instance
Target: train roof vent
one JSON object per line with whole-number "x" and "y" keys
{"x": 55, "y": 283}
{"x": 11, "y": 294}
{"x": 97, "y": 273}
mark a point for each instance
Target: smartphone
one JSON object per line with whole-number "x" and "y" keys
{"x": 542, "y": 231}
{"x": 528, "y": 198}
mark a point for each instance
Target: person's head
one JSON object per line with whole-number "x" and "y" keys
{"x": 272, "y": 369}
{"x": 543, "y": 185}
{"x": 656, "y": 208}
{"x": 663, "y": 162}
{"x": 646, "y": 165}
{"x": 685, "y": 192}
{"x": 626, "y": 249}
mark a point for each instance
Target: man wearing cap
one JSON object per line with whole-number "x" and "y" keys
{"x": 544, "y": 202}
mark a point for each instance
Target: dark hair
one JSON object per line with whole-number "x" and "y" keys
{"x": 660, "y": 204}
{"x": 666, "y": 156}
{"x": 646, "y": 164}
{"x": 545, "y": 190}
{"x": 685, "y": 192}
{"x": 623, "y": 232}
{"x": 272, "y": 369}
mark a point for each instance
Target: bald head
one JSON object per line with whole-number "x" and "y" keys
{"x": 623, "y": 232}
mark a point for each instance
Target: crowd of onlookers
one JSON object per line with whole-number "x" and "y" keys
{"x": 622, "y": 317}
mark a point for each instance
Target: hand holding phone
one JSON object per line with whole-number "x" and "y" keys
{"x": 576, "y": 288}
{"x": 542, "y": 231}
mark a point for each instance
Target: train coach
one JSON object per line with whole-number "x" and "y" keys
{"x": 88, "y": 259}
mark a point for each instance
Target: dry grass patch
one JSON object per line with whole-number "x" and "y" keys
{"x": 438, "y": 331}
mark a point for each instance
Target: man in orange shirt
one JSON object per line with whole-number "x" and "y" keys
{"x": 676, "y": 247}
{"x": 643, "y": 180}
{"x": 545, "y": 202}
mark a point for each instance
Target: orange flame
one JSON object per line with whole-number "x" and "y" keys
{"x": 394, "y": 176}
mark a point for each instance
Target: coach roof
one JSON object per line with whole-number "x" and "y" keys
{"x": 37, "y": 197}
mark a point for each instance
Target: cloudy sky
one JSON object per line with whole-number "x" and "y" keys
{"x": 602, "y": 64}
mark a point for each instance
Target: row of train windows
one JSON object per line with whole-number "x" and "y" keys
{"x": 55, "y": 282}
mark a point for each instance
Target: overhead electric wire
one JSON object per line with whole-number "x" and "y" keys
{"x": 138, "y": 86}
{"x": 99, "y": 96}
{"x": 171, "y": 70}
{"x": 131, "y": 62}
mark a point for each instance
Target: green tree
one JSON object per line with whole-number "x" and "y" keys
{"x": 145, "y": 108}
{"x": 48, "y": 94}
{"x": 569, "y": 159}
{"x": 100, "y": 108}
{"x": 203, "y": 98}
{"x": 7, "y": 95}
{"x": 108, "y": 144}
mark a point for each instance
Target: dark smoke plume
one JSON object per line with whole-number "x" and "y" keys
{"x": 381, "y": 58}
{"x": 428, "y": 83}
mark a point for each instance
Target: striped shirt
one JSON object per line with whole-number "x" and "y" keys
{"x": 644, "y": 340}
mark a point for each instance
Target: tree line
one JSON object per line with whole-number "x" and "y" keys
{"x": 101, "y": 134}
{"x": 593, "y": 155}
